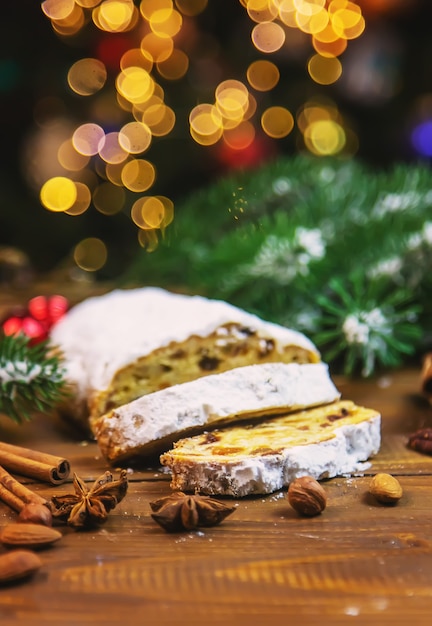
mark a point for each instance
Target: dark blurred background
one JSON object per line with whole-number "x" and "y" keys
{"x": 384, "y": 96}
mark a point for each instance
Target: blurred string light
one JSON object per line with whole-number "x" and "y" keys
{"x": 103, "y": 161}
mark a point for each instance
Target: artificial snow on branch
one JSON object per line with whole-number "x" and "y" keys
{"x": 326, "y": 246}
{"x": 31, "y": 379}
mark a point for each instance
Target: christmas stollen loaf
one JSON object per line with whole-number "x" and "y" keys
{"x": 154, "y": 421}
{"x": 261, "y": 458}
{"x": 129, "y": 342}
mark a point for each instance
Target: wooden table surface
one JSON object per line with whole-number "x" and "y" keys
{"x": 358, "y": 563}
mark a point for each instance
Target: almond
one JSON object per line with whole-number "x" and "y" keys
{"x": 18, "y": 564}
{"x": 28, "y": 535}
{"x": 385, "y": 488}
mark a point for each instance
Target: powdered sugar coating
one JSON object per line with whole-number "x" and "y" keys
{"x": 247, "y": 391}
{"x": 104, "y": 333}
{"x": 344, "y": 454}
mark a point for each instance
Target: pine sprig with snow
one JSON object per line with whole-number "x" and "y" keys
{"x": 288, "y": 242}
{"x": 31, "y": 379}
{"x": 365, "y": 329}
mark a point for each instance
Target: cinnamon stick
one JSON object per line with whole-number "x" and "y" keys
{"x": 11, "y": 499}
{"x": 34, "y": 464}
{"x": 13, "y": 491}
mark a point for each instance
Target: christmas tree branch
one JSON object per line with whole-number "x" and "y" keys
{"x": 31, "y": 379}
{"x": 288, "y": 242}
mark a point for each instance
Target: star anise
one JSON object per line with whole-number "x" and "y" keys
{"x": 180, "y": 511}
{"x": 90, "y": 507}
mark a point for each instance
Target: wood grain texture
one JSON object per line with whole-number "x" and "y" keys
{"x": 359, "y": 562}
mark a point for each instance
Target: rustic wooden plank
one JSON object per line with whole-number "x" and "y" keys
{"x": 265, "y": 561}
{"x": 358, "y": 561}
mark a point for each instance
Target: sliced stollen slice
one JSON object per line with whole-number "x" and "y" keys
{"x": 129, "y": 342}
{"x": 153, "y": 422}
{"x": 323, "y": 442}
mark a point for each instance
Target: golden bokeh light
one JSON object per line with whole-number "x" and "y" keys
{"x": 112, "y": 151}
{"x": 277, "y": 122}
{"x": 152, "y": 212}
{"x": 175, "y": 67}
{"x": 168, "y": 216}
{"x": 159, "y": 48}
{"x": 71, "y": 24}
{"x": 268, "y": 37}
{"x": 288, "y": 13}
{"x": 136, "y": 57}
{"x": 330, "y": 49}
{"x": 165, "y": 124}
{"x": 166, "y": 22}
{"x": 191, "y": 8}
{"x": 113, "y": 172}
{"x": 324, "y": 138}
{"x": 58, "y": 194}
{"x": 135, "y": 137}
{"x": 90, "y": 254}
{"x": 148, "y": 212}
{"x": 87, "y": 76}
{"x": 58, "y": 9}
{"x": 82, "y": 201}
{"x": 87, "y": 4}
{"x": 135, "y": 84}
{"x": 88, "y": 139}
{"x": 327, "y": 34}
{"x": 115, "y": 16}
{"x": 206, "y": 139}
{"x": 148, "y": 7}
{"x": 69, "y": 158}
{"x": 129, "y": 109}
{"x": 152, "y": 113}
{"x": 312, "y": 23}
{"x": 313, "y": 112}
{"x": 232, "y": 100}
{"x": 138, "y": 175}
{"x": 324, "y": 70}
{"x": 261, "y": 10}
{"x": 205, "y": 119}
{"x": 263, "y": 75}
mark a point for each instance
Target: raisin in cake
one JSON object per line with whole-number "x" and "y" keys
{"x": 154, "y": 421}
{"x": 127, "y": 343}
{"x": 322, "y": 442}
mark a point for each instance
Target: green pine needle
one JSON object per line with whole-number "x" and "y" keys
{"x": 288, "y": 241}
{"x": 366, "y": 327}
{"x": 31, "y": 379}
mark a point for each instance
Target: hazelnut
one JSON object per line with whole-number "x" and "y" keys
{"x": 385, "y": 488}
{"x": 307, "y": 496}
{"x": 36, "y": 514}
